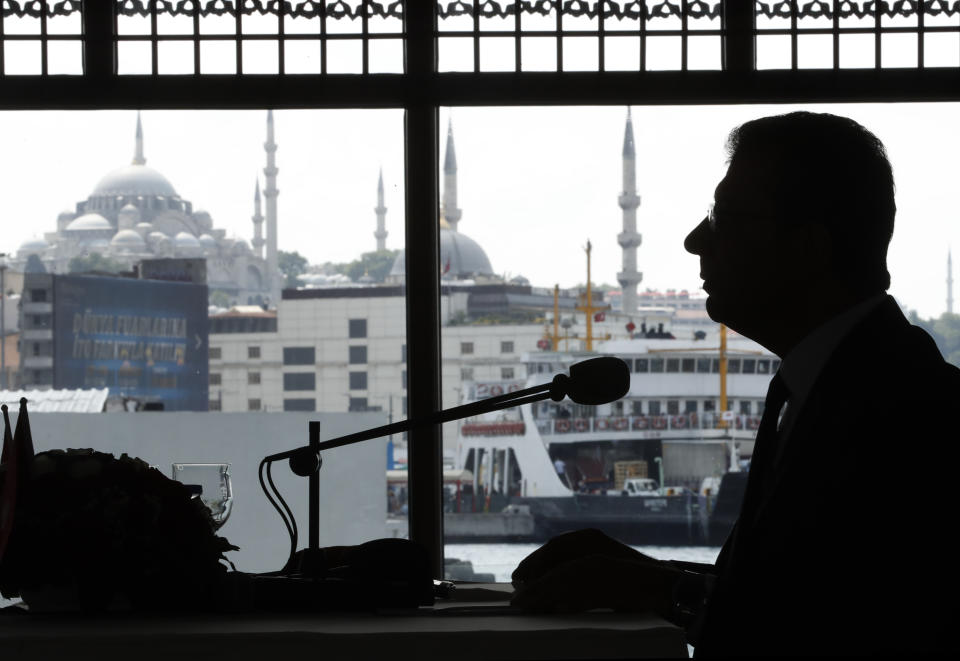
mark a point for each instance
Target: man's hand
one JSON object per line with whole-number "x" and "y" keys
{"x": 601, "y": 581}
{"x": 571, "y": 546}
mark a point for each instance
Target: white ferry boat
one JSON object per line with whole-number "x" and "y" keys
{"x": 685, "y": 423}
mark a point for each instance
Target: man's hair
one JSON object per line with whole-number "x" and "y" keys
{"x": 830, "y": 170}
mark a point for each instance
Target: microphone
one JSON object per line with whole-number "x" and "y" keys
{"x": 595, "y": 381}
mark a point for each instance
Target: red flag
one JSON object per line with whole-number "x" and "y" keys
{"x": 600, "y": 316}
{"x": 446, "y": 267}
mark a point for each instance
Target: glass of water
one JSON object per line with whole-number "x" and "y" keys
{"x": 211, "y": 483}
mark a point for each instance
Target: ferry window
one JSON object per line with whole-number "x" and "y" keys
{"x": 214, "y": 353}
{"x": 673, "y": 364}
{"x": 403, "y": 379}
{"x": 299, "y": 405}
{"x": 506, "y": 347}
{"x": 688, "y": 365}
{"x": 774, "y": 365}
{"x": 253, "y": 352}
{"x": 733, "y": 366}
{"x": 466, "y": 374}
{"x": 709, "y": 405}
{"x": 214, "y": 405}
{"x": 637, "y": 408}
{"x": 749, "y": 365}
{"x": 358, "y": 355}
{"x": 358, "y": 404}
{"x": 641, "y": 365}
{"x": 253, "y": 378}
{"x": 673, "y": 407}
{"x": 703, "y": 365}
{"x": 466, "y": 348}
{"x": 653, "y": 407}
{"x": 715, "y": 366}
{"x": 253, "y": 404}
{"x": 763, "y": 367}
{"x": 690, "y": 406}
{"x": 214, "y": 378}
{"x": 299, "y": 356}
{"x": 357, "y": 328}
{"x": 403, "y": 353}
{"x": 745, "y": 407}
{"x": 656, "y": 365}
{"x": 358, "y": 380}
{"x": 299, "y": 381}
{"x": 506, "y": 373}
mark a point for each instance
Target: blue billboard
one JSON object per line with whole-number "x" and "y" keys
{"x": 145, "y": 339}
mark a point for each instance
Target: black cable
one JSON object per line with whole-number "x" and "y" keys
{"x": 295, "y": 536}
{"x": 273, "y": 502}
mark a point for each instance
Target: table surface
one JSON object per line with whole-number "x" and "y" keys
{"x": 456, "y": 629}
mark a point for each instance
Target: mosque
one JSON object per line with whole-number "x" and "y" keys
{"x": 134, "y": 213}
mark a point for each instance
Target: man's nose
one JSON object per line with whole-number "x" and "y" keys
{"x": 694, "y": 243}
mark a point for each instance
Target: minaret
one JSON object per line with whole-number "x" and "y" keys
{"x": 257, "y": 222}
{"x": 381, "y": 211}
{"x": 629, "y": 239}
{"x": 949, "y": 283}
{"x": 270, "y": 192}
{"x": 449, "y": 208}
{"x": 138, "y": 158}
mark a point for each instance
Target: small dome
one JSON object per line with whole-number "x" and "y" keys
{"x": 33, "y": 246}
{"x": 207, "y": 241}
{"x": 134, "y": 180}
{"x": 186, "y": 240}
{"x": 240, "y": 247}
{"x": 88, "y": 222}
{"x": 203, "y": 219}
{"x": 460, "y": 257}
{"x": 153, "y": 237}
{"x": 127, "y": 239}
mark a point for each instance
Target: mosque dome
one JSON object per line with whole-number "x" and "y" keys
{"x": 134, "y": 180}
{"x": 460, "y": 257}
{"x": 186, "y": 244}
{"x": 128, "y": 239}
{"x": 89, "y": 221}
{"x": 144, "y": 228}
{"x": 153, "y": 237}
{"x": 203, "y": 219}
{"x": 31, "y": 246}
{"x": 240, "y": 247}
{"x": 207, "y": 241}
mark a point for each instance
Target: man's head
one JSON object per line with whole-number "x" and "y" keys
{"x": 803, "y": 217}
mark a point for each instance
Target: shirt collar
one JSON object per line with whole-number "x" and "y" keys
{"x": 803, "y": 364}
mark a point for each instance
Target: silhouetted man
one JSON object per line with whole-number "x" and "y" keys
{"x": 827, "y": 556}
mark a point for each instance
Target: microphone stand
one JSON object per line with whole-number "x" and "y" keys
{"x": 306, "y": 461}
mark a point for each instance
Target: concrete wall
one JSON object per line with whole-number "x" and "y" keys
{"x": 352, "y": 479}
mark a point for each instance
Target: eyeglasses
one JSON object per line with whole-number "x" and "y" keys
{"x": 711, "y": 218}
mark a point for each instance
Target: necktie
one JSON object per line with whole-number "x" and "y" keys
{"x": 764, "y": 448}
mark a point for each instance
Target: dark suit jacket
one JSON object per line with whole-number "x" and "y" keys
{"x": 851, "y": 550}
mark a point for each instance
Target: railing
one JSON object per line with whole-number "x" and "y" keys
{"x": 493, "y": 428}
{"x": 644, "y": 423}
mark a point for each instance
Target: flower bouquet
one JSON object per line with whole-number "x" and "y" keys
{"x": 84, "y": 530}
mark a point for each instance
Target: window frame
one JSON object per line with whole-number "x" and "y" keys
{"x": 420, "y": 92}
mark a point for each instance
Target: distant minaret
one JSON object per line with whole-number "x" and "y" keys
{"x": 949, "y": 283}
{"x": 381, "y": 211}
{"x": 257, "y": 222}
{"x": 449, "y": 208}
{"x": 629, "y": 239}
{"x": 270, "y": 192}
{"x": 138, "y": 158}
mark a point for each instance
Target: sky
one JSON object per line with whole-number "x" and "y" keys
{"x": 534, "y": 183}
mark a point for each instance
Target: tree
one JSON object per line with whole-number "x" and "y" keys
{"x": 292, "y": 265}
{"x": 945, "y": 331}
{"x": 376, "y": 264}
{"x": 94, "y": 262}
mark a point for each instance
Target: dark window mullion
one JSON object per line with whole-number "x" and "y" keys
{"x": 517, "y": 30}
{"x": 323, "y": 35}
{"x": 476, "y": 37}
{"x": 683, "y": 36}
{"x": 739, "y": 37}
{"x": 558, "y": 6}
{"x": 876, "y": 37}
{"x": 43, "y": 39}
{"x": 793, "y": 34}
{"x": 836, "y": 34}
{"x": 2, "y": 49}
{"x": 281, "y": 42}
{"x": 643, "y": 36}
{"x": 601, "y": 47}
{"x": 196, "y": 37}
{"x": 920, "y": 35}
{"x": 154, "y": 43}
{"x": 365, "y": 43}
{"x": 239, "y": 36}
